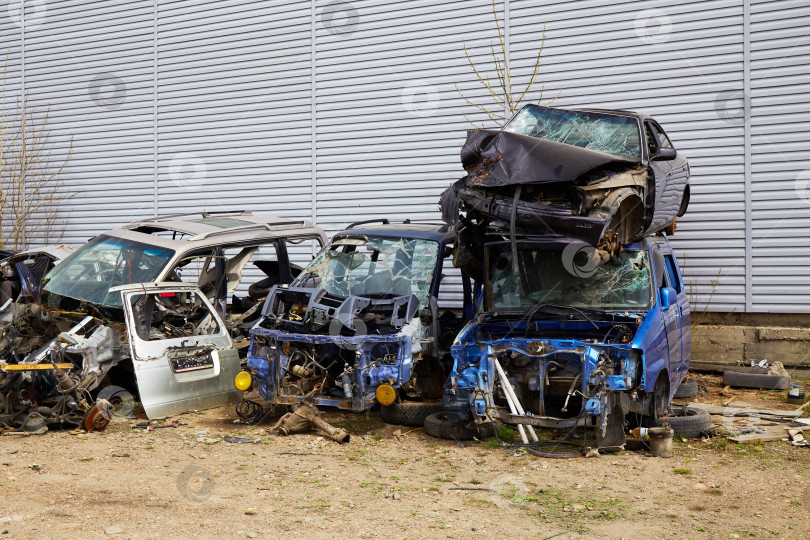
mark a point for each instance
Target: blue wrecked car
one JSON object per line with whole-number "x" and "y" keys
{"x": 360, "y": 325}
{"x": 567, "y": 335}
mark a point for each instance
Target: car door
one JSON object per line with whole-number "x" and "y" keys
{"x": 662, "y": 170}
{"x": 679, "y": 169}
{"x": 181, "y": 352}
{"x": 684, "y": 311}
{"x": 671, "y": 317}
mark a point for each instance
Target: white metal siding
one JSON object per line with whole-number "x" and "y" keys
{"x": 90, "y": 65}
{"x": 780, "y": 155}
{"x": 595, "y": 54}
{"x": 273, "y": 106}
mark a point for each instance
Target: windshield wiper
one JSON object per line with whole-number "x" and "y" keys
{"x": 581, "y": 311}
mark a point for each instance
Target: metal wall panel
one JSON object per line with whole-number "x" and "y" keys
{"x": 89, "y": 65}
{"x": 670, "y": 60}
{"x": 780, "y": 155}
{"x": 389, "y": 120}
{"x": 348, "y": 111}
{"x": 233, "y": 105}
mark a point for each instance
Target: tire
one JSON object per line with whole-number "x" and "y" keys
{"x": 693, "y": 425}
{"x": 687, "y": 389}
{"x": 439, "y": 426}
{"x": 756, "y": 380}
{"x": 409, "y": 413}
{"x": 684, "y": 202}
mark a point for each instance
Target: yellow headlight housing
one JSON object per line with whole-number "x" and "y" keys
{"x": 243, "y": 380}
{"x": 385, "y": 394}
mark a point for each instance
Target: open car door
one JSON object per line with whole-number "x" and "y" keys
{"x": 182, "y": 354}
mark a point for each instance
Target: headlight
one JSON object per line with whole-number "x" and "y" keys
{"x": 243, "y": 380}
{"x": 385, "y": 394}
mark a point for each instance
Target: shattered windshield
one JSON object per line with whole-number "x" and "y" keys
{"x": 103, "y": 263}
{"x": 622, "y": 283}
{"x": 372, "y": 266}
{"x": 594, "y": 131}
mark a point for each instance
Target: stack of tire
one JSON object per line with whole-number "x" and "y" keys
{"x": 436, "y": 422}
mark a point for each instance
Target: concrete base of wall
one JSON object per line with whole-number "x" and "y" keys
{"x": 740, "y": 344}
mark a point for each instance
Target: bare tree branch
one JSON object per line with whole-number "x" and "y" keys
{"x": 32, "y": 186}
{"x": 505, "y": 99}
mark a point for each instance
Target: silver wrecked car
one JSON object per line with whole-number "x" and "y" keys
{"x": 175, "y": 284}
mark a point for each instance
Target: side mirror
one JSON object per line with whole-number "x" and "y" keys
{"x": 664, "y": 154}
{"x": 668, "y": 297}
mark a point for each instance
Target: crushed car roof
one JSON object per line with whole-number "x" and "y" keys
{"x": 208, "y": 228}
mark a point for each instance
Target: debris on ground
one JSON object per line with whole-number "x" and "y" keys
{"x": 306, "y": 416}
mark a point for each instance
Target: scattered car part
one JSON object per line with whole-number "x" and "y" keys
{"x": 21, "y": 273}
{"x": 440, "y": 425}
{"x": 689, "y": 422}
{"x": 409, "y": 413}
{"x": 181, "y": 351}
{"x": 687, "y": 389}
{"x": 762, "y": 381}
{"x": 305, "y": 416}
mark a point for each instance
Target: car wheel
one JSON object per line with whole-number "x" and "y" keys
{"x": 409, "y": 413}
{"x": 438, "y": 425}
{"x": 688, "y": 422}
{"x": 687, "y": 389}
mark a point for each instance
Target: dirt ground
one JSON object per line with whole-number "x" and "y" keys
{"x": 391, "y": 482}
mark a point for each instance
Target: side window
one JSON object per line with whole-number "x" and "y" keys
{"x": 301, "y": 252}
{"x": 652, "y": 141}
{"x": 659, "y": 267}
{"x": 672, "y": 270}
{"x": 661, "y": 137}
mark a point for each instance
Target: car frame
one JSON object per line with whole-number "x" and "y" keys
{"x": 276, "y": 338}
{"x": 636, "y": 375}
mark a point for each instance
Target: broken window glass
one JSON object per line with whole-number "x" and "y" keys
{"x": 106, "y": 262}
{"x": 592, "y": 130}
{"x": 374, "y": 266}
{"x": 622, "y": 283}
{"x": 172, "y": 314}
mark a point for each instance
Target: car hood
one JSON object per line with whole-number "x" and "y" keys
{"x": 500, "y": 158}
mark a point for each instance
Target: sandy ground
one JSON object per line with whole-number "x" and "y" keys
{"x": 186, "y": 482}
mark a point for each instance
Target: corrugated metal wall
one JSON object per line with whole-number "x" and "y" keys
{"x": 342, "y": 111}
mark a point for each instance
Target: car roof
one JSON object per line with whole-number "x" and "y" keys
{"x": 206, "y": 229}
{"x": 438, "y": 232}
{"x": 621, "y": 112}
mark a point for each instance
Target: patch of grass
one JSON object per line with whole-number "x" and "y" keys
{"x": 795, "y": 503}
{"x": 377, "y": 437}
{"x": 700, "y": 528}
{"x": 475, "y": 481}
{"x": 697, "y": 508}
{"x": 682, "y": 470}
{"x": 715, "y": 491}
{"x": 433, "y": 488}
{"x": 474, "y": 501}
{"x": 746, "y": 532}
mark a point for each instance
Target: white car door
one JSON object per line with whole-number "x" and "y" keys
{"x": 182, "y": 354}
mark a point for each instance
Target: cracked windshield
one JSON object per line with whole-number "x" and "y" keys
{"x": 594, "y": 131}
{"x": 103, "y": 263}
{"x": 622, "y": 283}
{"x": 374, "y": 266}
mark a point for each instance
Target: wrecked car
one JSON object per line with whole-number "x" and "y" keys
{"x": 564, "y": 342}
{"x": 91, "y": 316}
{"x": 603, "y": 177}
{"x": 21, "y": 273}
{"x": 361, "y": 325}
